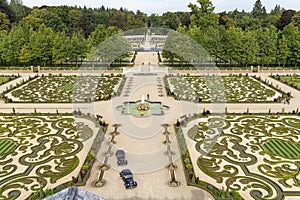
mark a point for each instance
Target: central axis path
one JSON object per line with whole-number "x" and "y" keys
{"x": 143, "y": 141}
{"x": 144, "y": 58}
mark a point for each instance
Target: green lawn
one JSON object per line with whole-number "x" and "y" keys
{"x": 282, "y": 148}
{"x": 293, "y": 81}
{"x": 67, "y": 87}
{"x": 4, "y": 79}
{"x": 6, "y": 146}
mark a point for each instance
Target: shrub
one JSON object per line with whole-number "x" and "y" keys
{"x": 49, "y": 192}
{"x": 189, "y": 166}
{"x": 187, "y": 161}
{"x": 85, "y": 167}
{"x": 90, "y": 156}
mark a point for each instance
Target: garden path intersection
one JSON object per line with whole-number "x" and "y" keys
{"x": 239, "y": 149}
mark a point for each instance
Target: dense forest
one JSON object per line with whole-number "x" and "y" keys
{"x": 52, "y": 35}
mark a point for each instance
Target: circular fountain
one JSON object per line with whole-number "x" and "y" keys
{"x": 143, "y": 108}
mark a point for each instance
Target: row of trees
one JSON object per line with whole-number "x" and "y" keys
{"x": 231, "y": 41}
{"x": 263, "y": 46}
{"x": 25, "y": 46}
{"x": 52, "y": 35}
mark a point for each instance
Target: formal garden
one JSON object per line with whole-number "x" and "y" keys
{"x": 65, "y": 89}
{"x": 39, "y": 152}
{"x": 242, "y": 156}
{"x": 291, "y": 80}
{"x": 232, "y": 89}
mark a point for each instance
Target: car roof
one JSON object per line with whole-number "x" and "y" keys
{"x": 120, "y": 151}
{"x": 126, "y": 171}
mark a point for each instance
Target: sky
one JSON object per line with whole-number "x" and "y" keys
{"x": 161, "y": 6}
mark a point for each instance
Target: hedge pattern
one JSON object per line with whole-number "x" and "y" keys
{"x": 233, "y": 89}
{"x": 66, "y": 89}
{"x": 45, "y": 150}
{"x": 256, "y": 154}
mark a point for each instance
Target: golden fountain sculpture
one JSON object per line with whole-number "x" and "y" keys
{"x": 143, "y": 106}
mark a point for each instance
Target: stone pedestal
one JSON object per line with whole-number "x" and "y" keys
{"x": 99, "y": 183}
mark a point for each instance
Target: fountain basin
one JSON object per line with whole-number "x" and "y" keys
{"x": 133, "y": 108}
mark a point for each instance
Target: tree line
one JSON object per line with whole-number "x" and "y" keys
{"x": 50, "y": 35}
{"x": 241, "y": 38}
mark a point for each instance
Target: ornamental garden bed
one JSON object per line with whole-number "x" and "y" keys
{"x": 242, "y": 156}
{"x": 291, "y": 80}
{"x": 39, "y": 152}
{"x": 231, "y": 89}
{"x": 65, "y": 89}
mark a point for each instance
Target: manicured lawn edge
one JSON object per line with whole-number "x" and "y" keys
{"x": 11, "y": 78}
{"x": 278, "y": 79}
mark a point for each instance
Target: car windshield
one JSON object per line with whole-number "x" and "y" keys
{"x": 120, "y": 152}
{"x": 127, "y": 176}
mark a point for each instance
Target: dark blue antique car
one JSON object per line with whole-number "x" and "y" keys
{"x": 121, "y": 161}
{"x": 127, "y": 177}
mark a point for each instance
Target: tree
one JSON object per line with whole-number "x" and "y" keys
{"x": 154, "y": 21}
{"x": 41, "y": 43}
{"x": 32, "y": 21}
{"x": 213, "y": 42}
{"x": 118, "y": 19}
{"x": 250, "y": 47}
{"x": 282, "y": 49}
{"x": 111, "y": 49}
{"x": 204, "y": 15}
{"x": 296, "y": 19}
{"x": 133, "y": 22}
{"x": 267, "y": 40}
{"x": 292, "y": 36}
{"x": 17, "y": 37}
{"x": 184, "y": 18}
{"x": 272, "y": 18}
{"x": 20, "y": 11}
{"x": 225, "y": 20}
{"x": 234, "y": 45}
{"x": 51, "y": 19}
{"x": 258, "y": 11}
{"x": 25, "y": 55}
{"x": 4, "y": 22}
{"x": 4, "y": 8}
{"x": 59, "y": 51}
{"x": 170, "y": 20}
{"x": 77, "y": 47}
{"x": 285, "y": 19}
{"x": 75, "y": 21}
{"x": 3, "y": 39}
{"x": 100, "y": 34}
